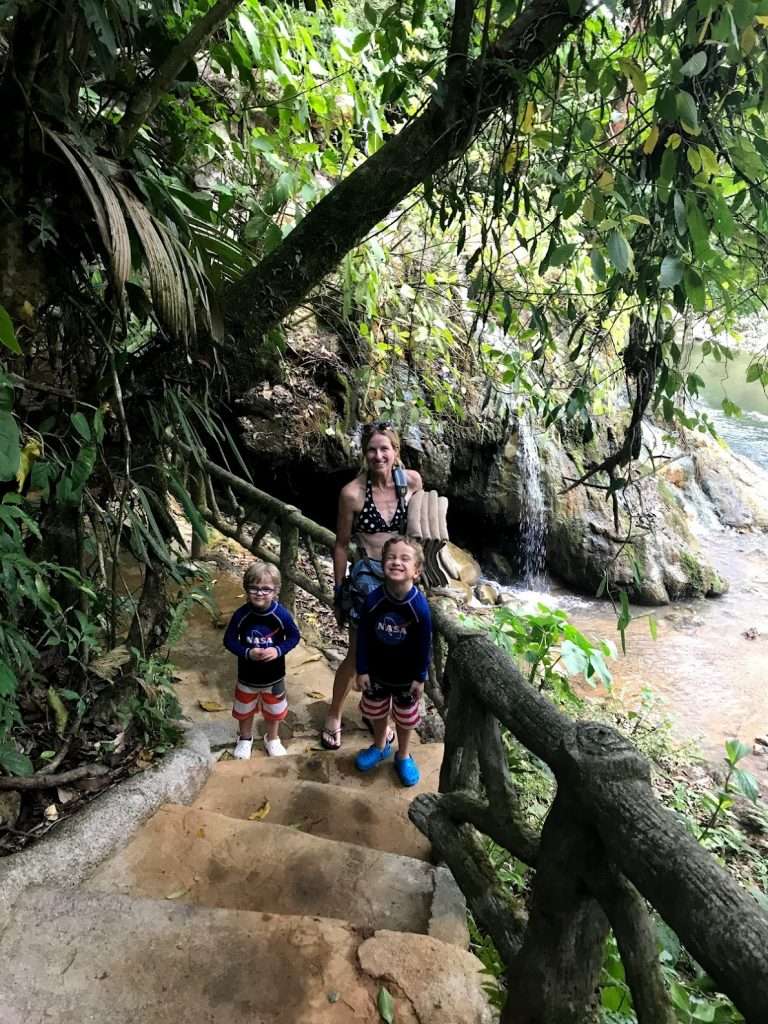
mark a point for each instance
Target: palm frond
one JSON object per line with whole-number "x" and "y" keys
{"x": 178, "y": 284}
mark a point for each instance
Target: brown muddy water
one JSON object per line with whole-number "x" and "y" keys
{"x": 708, "y": 666}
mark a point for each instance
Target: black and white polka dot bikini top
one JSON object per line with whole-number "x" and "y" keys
{"x": 370, "y": 520}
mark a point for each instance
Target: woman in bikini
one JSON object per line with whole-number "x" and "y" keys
{"x": 370, "y": 511}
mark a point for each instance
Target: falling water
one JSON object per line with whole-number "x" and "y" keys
{"x": 533, "y": 519}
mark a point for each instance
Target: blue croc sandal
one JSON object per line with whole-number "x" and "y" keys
{"x": 407, "y": 770}
{"x": 369, "y": 758}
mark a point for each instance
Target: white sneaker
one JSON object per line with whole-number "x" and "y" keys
{"x": 242, "y": 749}
{"x": 274, "y": 748}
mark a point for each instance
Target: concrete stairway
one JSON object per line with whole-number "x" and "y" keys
{"x": 292, "y": 890}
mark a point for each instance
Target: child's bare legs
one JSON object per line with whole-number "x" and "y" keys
{"x": 271, "y": 729}
{"x": 380, "y": 732}
{"x": 403, "y": 742}
{"x": 246, "y": 727}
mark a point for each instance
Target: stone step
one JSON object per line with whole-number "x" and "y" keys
{"x": 338, "y": 769}
{"x": 319, "y": 810}
{"x": 201, "y": 857}
{"x": 74, "y": 957}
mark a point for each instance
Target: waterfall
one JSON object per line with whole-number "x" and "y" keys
{"x": 533, "y": 519}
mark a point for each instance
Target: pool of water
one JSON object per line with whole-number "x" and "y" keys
{"x": 708, "y": 665}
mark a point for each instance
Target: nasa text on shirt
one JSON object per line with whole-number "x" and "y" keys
{"x": 260, "y": 636}
{"x": 391, "y": 628}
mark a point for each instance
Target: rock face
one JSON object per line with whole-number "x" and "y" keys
{"x": 661, "y": 561}
{"x": 477, "y": 464}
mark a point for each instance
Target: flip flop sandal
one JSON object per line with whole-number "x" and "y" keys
{"x": 330, "y": 739}
{"x": 369, "y": 726}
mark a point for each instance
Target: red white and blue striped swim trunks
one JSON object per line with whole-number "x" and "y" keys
{"x": 381, "y": 698}
{"x": 270, "y": 700}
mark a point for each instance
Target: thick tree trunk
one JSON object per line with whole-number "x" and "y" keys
{"x": 554, "y": 976}
{"x": 267, "y": 294}
{"x": 722, "y": 925}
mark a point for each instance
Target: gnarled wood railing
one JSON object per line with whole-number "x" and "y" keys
{"x": 607, "y": 846}
{"x": 254, "y": 514}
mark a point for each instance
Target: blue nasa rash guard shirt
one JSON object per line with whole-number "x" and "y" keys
{"x": 248, "y": 628}
{"x": 394, "y": 637}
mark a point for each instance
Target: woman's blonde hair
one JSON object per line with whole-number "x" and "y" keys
{"x": 386, "y": 430}
{"x": 256, "y": 571}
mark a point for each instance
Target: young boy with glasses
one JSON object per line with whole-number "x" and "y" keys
{"x": 260, "y": 634}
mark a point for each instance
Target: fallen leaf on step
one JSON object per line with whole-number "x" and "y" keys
{"x": 315, "y": 694}
{"x": 51, "y": 812}
{"x": 333, "y": 997}
{"x": 212, "y": 705}
{"x": 201, "y": 833}
{"x": 65, "y": 795}
{"x": 262, "y": 812}
{"x": 175, "y": 895}
{"x": 386, "y": 1006}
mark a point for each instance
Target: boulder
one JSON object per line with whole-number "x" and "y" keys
{"x": 487, "y": 593}
{"x": 459, "y": 564}
{"x": 660, "y": 564}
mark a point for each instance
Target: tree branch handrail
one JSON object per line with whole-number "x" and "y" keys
{"x": 279, "y": 509}
{"x": 608, "y": 782}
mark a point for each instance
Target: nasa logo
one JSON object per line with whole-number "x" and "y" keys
{"x": 391, "y": 629}
{"x": 259, "y": 636}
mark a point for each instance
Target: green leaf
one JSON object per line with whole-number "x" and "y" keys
{"x": 14, "y": 762}
{"x": 386, "y": 1006}
{"x": 746, "y": 784}
{"x": 686, "y": 109}
{"x": 598, "y": 264}
{"x": 7, "y": 680}
{"x": 620, "y": 252}
{"x": 10, "y": 447}
{"x": 636, "y": 76}
{"x": 754, "y": 372}
{"x": 7, "y": 333}
{"x": 80, "y": 423}
{"x": 250, "y": 34}
{"x": 735, "y": 750}
{"x": 694, "y": 289}
{"x": 708, "y": 160}
{"x": 624, "y": 619}
{"x": 60, "y": 712}
{"x": 671, "y": 272}
{"x": 653, "y": 627}
{"x": 695, "y": 65}
{"x": 97, "y": 16}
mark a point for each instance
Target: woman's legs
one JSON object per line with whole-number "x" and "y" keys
{"x": 342, "y": 684}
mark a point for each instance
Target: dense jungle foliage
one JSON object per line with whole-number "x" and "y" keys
{"x": 534, "y": 197}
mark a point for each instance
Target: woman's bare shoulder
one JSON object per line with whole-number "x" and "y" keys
{"x": 353, "y": 493}
{"x": 415, "y": 482}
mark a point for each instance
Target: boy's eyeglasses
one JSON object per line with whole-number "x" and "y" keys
{"x": 260, "y": 591}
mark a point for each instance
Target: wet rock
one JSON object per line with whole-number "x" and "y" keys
{"x": 431, "y": 729}
{"x": 661, "y": 564}
{"x": 498, "y": 567}
{"x": 487, "y": 593}
{"x": 459, "y": 564}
